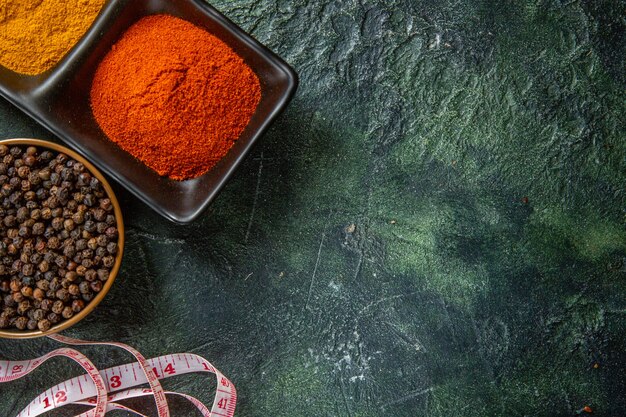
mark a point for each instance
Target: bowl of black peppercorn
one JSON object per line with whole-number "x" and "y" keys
{"x": 61, "y": 238}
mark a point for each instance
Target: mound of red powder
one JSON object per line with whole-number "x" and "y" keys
{"x": 174, "y": 96}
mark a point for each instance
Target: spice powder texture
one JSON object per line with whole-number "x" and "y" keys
{"x": 36, "y": 34}
{"x": 174, "y": 96}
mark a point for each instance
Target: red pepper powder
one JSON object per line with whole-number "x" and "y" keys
{"x": 174, "y": 96}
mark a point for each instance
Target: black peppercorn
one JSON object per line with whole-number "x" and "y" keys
{"x": 29, "y": 160}
{"x": 43, "y": 284}
{"x": 81, "y": 244}
{"x": 53, "y": 202}
{"x": 106, "y": 204}
{"x": 102, "y": 240}
{"x": 90, "y": 225}
{"x": 24, "y": 258}
{"x": 39, "y": 294}
{"x": 92, "y": 243}
{"x": 67, "y": 313}
{"x": 84, "y": 287}
{"x": 62, "y": 194}
{"x": 34, "y": 178}
{"x": 21, "y": 323}
{"x": 23, "y": 307}
{"x": 61, "y": 261}
{"x": 28, "y": 269}
{"x": 38, "y": 314}
{"x": 24, "y": 231}
{"x": 69, "y": 225}
{"x": 69, "y": 251}
{"x": 29, "y": 196}
{"x": 15, "y": 246}
{"x": 49, "y": 257}
{"x": 44, "y": 325}
{"x": 73, "y": 289}
{"x": 108, "y": 261}
{"x": 58, "y": 306}
{"x": 78, "y": 218}
{"x": 45, "y": 156}
{"x": 42, "y": 194}
{"x": 111, "y": 232}
{"x": 57, "y": 223}
{"x": 63, "y": 295}
{"x": 8, "y": 301}
{"x": 46, "y": 304}
{"x": 89, "y": 200}
{"x": 54, "y": 318}
{"x": 103, "y": 274}
{"x": 99, "y": 214}
{"x": 67, "y": 174}
{"x": 27, "y": 292}
{"x": 9, "y": 221}
{"x": 23, "y": 172}
{"x": 46, "y": 213}
{"x": 44, "y": 174}
{"x": 96, "y": 286}
{"x": 22, "y": 214}
{"x": 101, "y": 227}
{"x": 91, "y": 275}
{"x": 15, "y": 285}
{"x": 71, "y": 276}
{"x": 78, "y": 306}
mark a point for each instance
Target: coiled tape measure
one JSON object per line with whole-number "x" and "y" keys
{"x": 102, "y": 389}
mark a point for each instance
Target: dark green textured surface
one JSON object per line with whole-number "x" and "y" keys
{"x": 375, "y": 255}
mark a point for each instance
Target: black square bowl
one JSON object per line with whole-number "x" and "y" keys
{"x": 59, "y": 100}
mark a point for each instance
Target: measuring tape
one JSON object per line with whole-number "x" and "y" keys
{"x": 101, "y": 390}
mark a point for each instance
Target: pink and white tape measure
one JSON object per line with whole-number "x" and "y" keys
{"x": 103, "y": 389}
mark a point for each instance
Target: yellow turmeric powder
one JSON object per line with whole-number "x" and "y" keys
{"x": 36, "y": 34}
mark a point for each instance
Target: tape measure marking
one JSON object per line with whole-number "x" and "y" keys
{"x": 102, "y": 389}
{"x": 14, "y": 370}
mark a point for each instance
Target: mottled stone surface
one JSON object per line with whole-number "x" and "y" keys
{"x": 436, "y": 226}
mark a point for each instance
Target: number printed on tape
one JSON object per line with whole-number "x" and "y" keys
{"x": 103, "y": 389}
